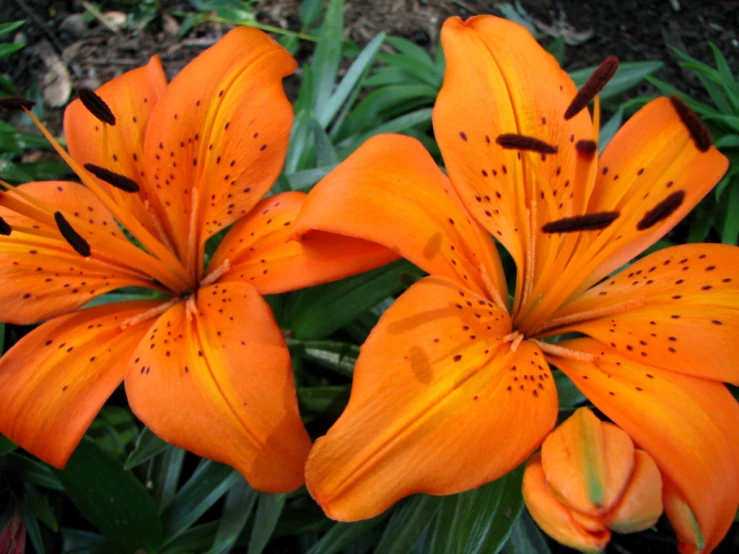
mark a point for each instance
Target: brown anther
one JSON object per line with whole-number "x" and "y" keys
{"x": 698, "y": 131}
{"x": 72, "y": 237}
{"x": 586, "y": 147}
{"x": 96, "y": 106}
{"x": 592, "y": 86}
{"x": 587, "y": 222}
{"x": 522, "y": 142}
{"x": 662, "y": 210}
{"x": 16, "y": 103}
{"x": 5, "y": 228}
{"x": 116, "y": 179}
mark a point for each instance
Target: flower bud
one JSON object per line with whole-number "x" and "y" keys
{"x": 589, "y": 480}
{"x": 683, "y": 520}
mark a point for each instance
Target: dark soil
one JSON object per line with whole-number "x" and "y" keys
{"x": 632, "y": 30}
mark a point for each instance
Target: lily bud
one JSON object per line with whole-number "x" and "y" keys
{"x": 683, "y": 520}
{"x": 589, "y": 480}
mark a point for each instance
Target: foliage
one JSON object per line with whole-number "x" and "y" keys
{"x": 125, "y": 489}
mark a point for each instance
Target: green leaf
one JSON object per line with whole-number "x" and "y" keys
{"x": 240, "y": 501}
{"x": 328, "y": 400}
{"x": 194, "y": 540}
{"x": 342, "y": 535}
{"x": 83, "y": 542}
{"x": 147, "y": 446}
{"x": 9, "y": 27}
{"x": 569, "y": 395}
{"x": 406, "y": 524}
{"x": 269, "y": 509}
{"x": 350, "y": 81}
{"x": 110, "y": 498}
{"x": 208, "y": 484}
{"x": 627, "y": 76}
{"x": 479, "y": 521}
{"x": 5, "y": 443}
{"x": 327, "y": 56}
{"x": 307, "y": 178}
{"x": 38, "y": 506}
{"x": 29, "y": 470}
{"x": 411, "y": 50}
{"x": 325, "y": 151}
{"x": 608, "y": 131}
{"x": 301, "y": 144}
{"x": 319, "y": 311}
{"x": 557, "y": 49}
{"x": 167, "y": 471}
{"x": 526, "y": 538}
{"x": 8, "y": 49}
{"x": 310, "y": 11}
{"x": 334, "y": 355}
{"x": 730, "y": 229}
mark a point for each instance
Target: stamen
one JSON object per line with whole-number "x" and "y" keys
{"x": 192, "y": 236}
{"x": 529, "y": 274}
{"x": 662, "y": 210}
{"x": 586, "y": 147}
{"x": 5, "y": 228}
{"x": 16, "y": 103}
{"x": 587, "y": 222}
{"x": 589, "y": 314}
{"x": 521, "y": 142}
{"x": 698, "y": 131}
{"x": 116, "y": 179}
{"x": 73, "y": 238}
{"x": 191, "y": 308}
{"x": 593, "y": 86}
{"x": 96, "y": 106}
{"x": 213, "y": 276}
{"x": 153, "y": 312}
{"x": 515, "y": 338}
{"x": 491, "y": 289}
{"x": 562, "y": 352}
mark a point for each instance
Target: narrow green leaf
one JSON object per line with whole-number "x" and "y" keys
{"x": 342, "y": 535}
{"x": 240, "y": 501}
{"x": 29, "y": 470}
{"x": 412, "y": 50}
{"x": 406, "y": 524}
{"x": 194, "y": 540}
{"x": 325, "y": 151}
{"x": 83, "y": 542}
{"x": 32, "y": 529}
{"x": 409, "y": 66}
{"x": 8, "y": 49}
{"x": 5, "y": 443}
{"x": 401, "y": 124}
{"x": 557, "y": 49}
{"x": 147, "y": 446}
{"x": 629, "y": 75}
{"x": 310, "y": 11}
{"x": 167, "y": 471}
{"x": 269, "y": 509}
{"x": 526, "y": 538}
{"x": 305, "y": 94}
{"x": 479, "y": 521}
{"x": 208, "y": 484}
{"x": 608, "y": 131}
{"x": 569, "y": 395}
{"x": 350, "y": 81}
{"x": 110, "y": 498}
{"x": 730, "y": 230}
{"x": 327, "y": 401}
{"x": 298, "y": 153}
{"x": 327, "y": 56}
{"x": 334, "y": 355}
{"x": 308, "y": 177}
{"x": 9, "y": 27}
{"x": 319, "y": 311}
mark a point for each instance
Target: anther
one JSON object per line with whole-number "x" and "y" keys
{"x": 586, "y": 147}
{"x": 587, "y": 222}
{"x": 5, "y": 228}
{"x": 593, "y": 86}
{"x": 16, "y": 103}
{"x": 116, "y": 179}
{"x": 698, "y": 131}
{"x": 522, "y": 142}
{"x": 72, "y": 237}
{"x": 662, "y": 210}
{"x": 96, "y": 106}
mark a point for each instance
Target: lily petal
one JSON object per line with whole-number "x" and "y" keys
{"x": 499, "y": 80}
{"x": 215, "y": 378}
{"x": 687, "y": 425}
{"x": 260, "y": 250}
{"x": 391, "y": 192}
{"x": 119, "y": 148}
{"x": 54, "y": 381}
{"x": 440, "y": 404}
{"x": 217, "y": 140}
{"x": 43, "y": 276}
{"x": 666, "y": 308}
{"x": 555, "y": 518}
{"x": 651, "y": 157}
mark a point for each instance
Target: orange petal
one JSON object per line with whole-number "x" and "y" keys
{"x": 260, "y": 250}
{"x": 119, "y": 148}
{"x": 499, "y": 80}
{"x": 391, "y": 192}
{"x": 677, "y": 309}
{"x": 641, "y": 504}
{"x": 683, "y": 521}
{"x": 651, "y": 157}
{"x": 221, "y": 129}
{"x": 42, "y": 274}
{"x": 687, "y": 425}
{"x": 215, "y": 378}
{"x": 556, "y": 519}
{"x": 588, "y": 462}
{"x": 54, "y": 381}
{"x": 434, "y": 387}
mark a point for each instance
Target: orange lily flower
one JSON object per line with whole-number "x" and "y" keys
{"x": 453, "y": 388}
{"x": 589, "y": 480}
{"x": 205, "y": 364}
